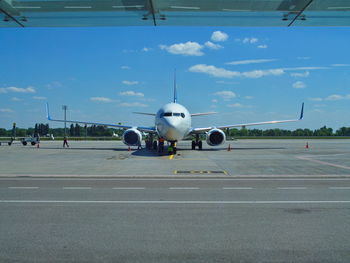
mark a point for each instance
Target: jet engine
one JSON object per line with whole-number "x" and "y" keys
{"x": 132, "y": 137}
{"x": 215, "y": 137}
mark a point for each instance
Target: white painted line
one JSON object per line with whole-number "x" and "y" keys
{"x": 339, "y": 188}
{"x": 75, "y": 178}
{"x": 183, "y": 188}
{"x": 291, "y": 188}
{"x": 128, "y": 188}
{"x": 76, "y": 188}
{"x": 179, "y": 202}
{"x": 237, "y": 188}
{"x": 23, "y": 187}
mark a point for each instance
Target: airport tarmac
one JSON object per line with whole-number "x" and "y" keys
{"x": 197, "y": 206}
{"x": 280, "y": 158}
{"x": 174, "y": 220}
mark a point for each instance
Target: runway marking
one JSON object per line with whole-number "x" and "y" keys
{"x": 183, "y": 188}
{"x": 237, "y": 188}
{"x": 171, "y": 156}
{"x": 339, "y": 188}
{"x": 179, "y": 202}
{"x": 23, "y": 187}
{"x": 76, "y": 188}
{"x": 292, "y": 188}
{"x": 322, "y": 162}
{"x": 128, "y": 188}
{"x": 75, "y": 178}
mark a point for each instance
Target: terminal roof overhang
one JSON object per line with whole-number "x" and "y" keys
{"x": 78, "y": 13}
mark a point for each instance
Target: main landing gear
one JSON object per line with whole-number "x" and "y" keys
{"x": 197, "y": 142}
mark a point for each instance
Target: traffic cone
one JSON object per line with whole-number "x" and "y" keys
{"x": 37, "y": 145}
{"x": 229, "y": 148}
{"x": 307, "y": 145}
{"x": 129, "y": 149}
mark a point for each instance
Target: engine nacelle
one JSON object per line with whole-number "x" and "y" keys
{"x": 215, "y": 137}
{"x": 132, "y": 137}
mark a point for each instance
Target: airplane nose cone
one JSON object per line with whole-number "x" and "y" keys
{"x": 172, "y": 130}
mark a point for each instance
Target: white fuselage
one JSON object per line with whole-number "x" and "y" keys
{"x": 173, "y": 122}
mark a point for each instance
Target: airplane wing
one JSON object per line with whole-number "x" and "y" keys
{"x": 144, "y": 113}
{"x": 201, "y": 130}
{"x": 202, "y": 113}
{"x": 143, "y": 129}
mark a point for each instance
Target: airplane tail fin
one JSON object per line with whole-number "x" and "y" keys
{"x": 47, "y": 111}
{"x": 302, "y": 112}
{"x": 175, "y": 91}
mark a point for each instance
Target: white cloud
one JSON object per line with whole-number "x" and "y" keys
{"x": 133, "y": 104}
{"x": 250, "y": 40}
{"x": 17, "y": 90}
{"x": 338, "y": 97}
{"x": 333, "y": 97}
{"x": 211, "y": 45}
{"x": 125, "y": 67}
{"x": 146, "y": 49}
{"x": 186, "y": 49}
{"x": 340, "y": 65}
{"x": 226, "y": 94}
{"x": 249, "y": 97}
{"x": 261, "y": 73}
{"x": 303, "y": 58}
{"x": 54, "y": 84}
{"x": 16, "y": 99}
{"x": 304, "y": 68}
{"x": 101, "y": 99}
{"x": 235, "y": 105}
{"x": 39, "y": 98}
{"x": 131, "y": 93}
{"x": 224, "y": 73}
{"x": 249, "y": 61}
{"x": 262, "y": 46}
{"x": 301, "y": 75}
{"x": 299, "y": 85}
{"x": 6, "y": 110}
{"x": 128, "y": 82}
{"x": 214, "y": 101}
{"x": 219, "y": 36}
{"x": 214, "y": 71}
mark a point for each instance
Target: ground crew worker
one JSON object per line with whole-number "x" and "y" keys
{"x": 170, "y": 149}
{"x": 65, "y": 142}
{"x": 161, "y": 145}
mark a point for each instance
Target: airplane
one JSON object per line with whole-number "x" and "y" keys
{"x": 173, "y": 123}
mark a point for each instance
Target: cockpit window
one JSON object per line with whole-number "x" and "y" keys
{"x": 175, "y": 114}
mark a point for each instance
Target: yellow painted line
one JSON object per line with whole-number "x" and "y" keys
{"x": 171, "y": 156}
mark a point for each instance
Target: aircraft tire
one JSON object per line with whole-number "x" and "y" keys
{"x": 200, "y": 145}
{"x": 9, "y": 143}
{"x": 193, "y": 145}
{"x": 32, "y": 143}
{"x": 174, "y": 151}
{"x": 24, "y": 143}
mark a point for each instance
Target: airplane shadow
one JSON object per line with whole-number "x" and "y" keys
{"x": 85, "y": 148}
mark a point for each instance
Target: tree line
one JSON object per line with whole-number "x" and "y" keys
{"x": 75, "y": 130}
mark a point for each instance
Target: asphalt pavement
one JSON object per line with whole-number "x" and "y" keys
{"x": 174, "y": 220}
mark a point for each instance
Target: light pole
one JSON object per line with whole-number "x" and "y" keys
{"x": 64, "y": 107}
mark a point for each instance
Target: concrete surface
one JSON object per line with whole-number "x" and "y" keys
{"x": 247, "y": 158}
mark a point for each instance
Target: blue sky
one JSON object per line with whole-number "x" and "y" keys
{"x": 245, "y": 74}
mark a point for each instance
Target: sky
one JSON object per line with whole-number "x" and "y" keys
{"x": 245, "y": 74}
